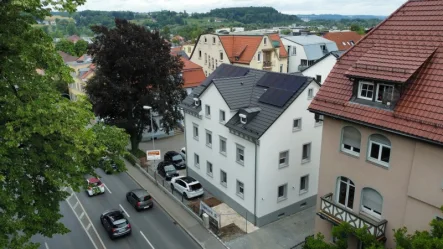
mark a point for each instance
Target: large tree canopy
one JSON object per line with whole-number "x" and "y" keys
{"x": 134, "y": 68}
{"x": 47, "y": 142}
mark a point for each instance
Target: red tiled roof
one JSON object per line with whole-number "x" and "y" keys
{"x": 345, "y": 36}
{"x": 67, "y": 57}
{"x": 283, "y": 52}
{"x": 410, "y": 35}
{"x": 242, "y": 46}
{"x": 193, "y": 74}
{"x": 74, "y": 38}
{"x": 89, "y": 72}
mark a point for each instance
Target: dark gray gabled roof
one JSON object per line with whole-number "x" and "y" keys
{"x": 244, "y": 89}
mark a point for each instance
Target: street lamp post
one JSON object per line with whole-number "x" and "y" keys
{"x": 146, "y": 107}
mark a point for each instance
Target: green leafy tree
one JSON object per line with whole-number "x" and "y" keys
{"x": 357, "y": 28}
{"x": 134, "y": 69}
{"x": 166, "y": 32}
{"x": 46, "y": 143}
{"x": 66, "y": 46}
{"x": 81, "y": 47}
{"x": 286, "y": 32}
{"x": 71, "y": 29}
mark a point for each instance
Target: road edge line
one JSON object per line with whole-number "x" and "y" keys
{"x": 146, "y": 239}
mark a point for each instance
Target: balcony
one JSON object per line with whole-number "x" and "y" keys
{"x": 337, "y": 214}
{"x": 267, "y": 65}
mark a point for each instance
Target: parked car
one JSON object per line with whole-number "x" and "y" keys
{"x": 167, "y": 170}
{"x": 160, "y": 133}
{"x": 187, "y": 186}
{"x": 108, "y": 165}
{"x": 176, "y": 159}
{"x": 140, "y": 199}
{"x": 94, "y": 186}
{"x": 183, "y": 153}
{"x": 115, "y": 223}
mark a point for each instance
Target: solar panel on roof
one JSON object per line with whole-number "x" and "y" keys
{"x": 276, "y": 97}
{"x": 282, "y": 81}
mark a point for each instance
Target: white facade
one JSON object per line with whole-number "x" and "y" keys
{"x": 294, "y": 56}
{"x": 261, "y": 162}
{"x": 321, "y": 68}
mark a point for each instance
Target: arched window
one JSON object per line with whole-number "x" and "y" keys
{"x": 345, "y": 192}
{"x": 371, "y": 202}
{"x": 379, "y": 149}
{"x": 350, "y": 141}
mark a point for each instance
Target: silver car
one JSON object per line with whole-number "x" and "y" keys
{"x": 140, "y": 199}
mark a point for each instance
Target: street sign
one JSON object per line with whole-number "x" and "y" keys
{"x": 153, "y": 155}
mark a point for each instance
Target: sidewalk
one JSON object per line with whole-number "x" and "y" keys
{"x": 189, "y": 224}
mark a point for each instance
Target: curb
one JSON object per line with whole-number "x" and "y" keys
{"x": 166, "y": 211}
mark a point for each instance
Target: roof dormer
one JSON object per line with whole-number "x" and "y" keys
{"x": 247, "y": 114}
{"x": 197, "y": 102}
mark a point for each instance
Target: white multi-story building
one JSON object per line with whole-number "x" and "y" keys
{"x": 322, "y": 67}
{"x": 252, "y": 143}
{"x": 305, "y": 50}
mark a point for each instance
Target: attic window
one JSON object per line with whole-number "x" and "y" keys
{"x": 206, "y": 40}
{"x": 352, "y": 43}
{"x": 265, "y": 40}
{"x": 196, "y": 101}
{"x": 383, "y": 93}
{"x": 243, "y": 119}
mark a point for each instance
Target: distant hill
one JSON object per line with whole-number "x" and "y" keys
{"x": 339, "y": 17}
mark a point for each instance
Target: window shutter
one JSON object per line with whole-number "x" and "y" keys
{"x": 372, "y": 199}
{"x": 380, "y": 139}
{"x": 351, "y": 137}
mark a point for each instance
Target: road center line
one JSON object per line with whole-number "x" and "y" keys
{"x": 147, "y": 240}
{"x": 46, "y": 245}
{"x": 124, "y": 210}
{"x": 106, "y": 187}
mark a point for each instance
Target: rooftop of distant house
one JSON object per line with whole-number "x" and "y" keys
{"x": 343, "y": 39}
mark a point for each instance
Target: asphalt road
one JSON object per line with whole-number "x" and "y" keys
{"x": 151, "y": 228}
{"x": 77, "y": 238}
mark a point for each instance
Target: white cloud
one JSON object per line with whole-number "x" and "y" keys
{"x": 346, "y": 7}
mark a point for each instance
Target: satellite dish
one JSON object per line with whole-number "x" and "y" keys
{"x": 390, "y": 96}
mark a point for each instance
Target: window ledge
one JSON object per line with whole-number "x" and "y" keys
{"x": 240, "y": 195}
{"x": 318, "y": 124}
{"x": 222, "y": 122}
{"x": 208, "y": 116}
{"x": 197, "y": 165}
{"x": 210, "y": 174}
{"x": 224, "y": 184}
{"x": 378, "y": 163}
{"x": 241, "y": 163}
{"x": 304, "y": 161}
{"x": 280, "y": 199}
{"x": 302, "y": 192}
{"x": 281, "y": 166}
{"x": 209, "y": 145}
{"x": 296, "y": 129}
{"x": 196, "y": 138}
{"x": 223, "y": 153}
{"x": 350, "y": 153}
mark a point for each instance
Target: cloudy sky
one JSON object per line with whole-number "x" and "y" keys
{"x": 346, "y": 7}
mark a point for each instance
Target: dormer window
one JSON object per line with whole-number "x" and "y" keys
{"x": 196, "y": 101}
{"x": 243, "y": 119}
{"x": 366, "y": 90}
{"x": 384, "y": 89}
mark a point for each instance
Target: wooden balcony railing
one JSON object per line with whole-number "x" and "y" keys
{"x": 337, "y": 214}
{"x": 267, "y": 64}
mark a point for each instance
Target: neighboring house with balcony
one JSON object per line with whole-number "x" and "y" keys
{"x": 258, "y": 51}
{"x": 343, "y": 39}
{"x": 305, "y": 50}
{"x": 252, "y": 143}
{"x": 382, "y": 146}
{"x": 322, "y": 67}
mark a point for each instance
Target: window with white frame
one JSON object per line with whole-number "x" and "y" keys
{"x": 371, "y": 202}
{"x": 259, "y": 56}
{"x": 318, "y": 119}
{"x": 207, "y": 111}
{"x": 294, "y": 50}
{"x": 196, "y": 160}
{"x": 195, "y": 132}
{"x": 240, "y": 155}
{"x": 223, "y": 178}
{"x": 384, "y": 89}
{"x": 282, "y": 192}
{"x": 306, "y": 153}
{"x": 223, "y": 145}
{"x": 310, "y": 93}
{"x": 379, "y": 149}
{"x": 365, "y": 90}
{"x": 209, "y": 139}
{"x": 222, "y": 116}
{"x": 243, "y": 118}
{"x": 209, "y": 168}
{"x": 304, "y": 184}
{"x": 350, "y": 141}
{"x": 283, "y": 159}
{"x": 296, "y": 124}
{"x": 240, "y": 189}
{"x": 346, "y": 192}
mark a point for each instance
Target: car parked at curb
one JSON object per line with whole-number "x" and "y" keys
{"x": 94, "y": 187}
{"x": 167, "y": 170}
{"x": 187, "y": 186}
{"x": 177, "y": 159}
{"x": 140, "y": 199}
{"x": 115, "y": 223}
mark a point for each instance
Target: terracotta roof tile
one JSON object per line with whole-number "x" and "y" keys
{"x": 242, "y": 46}
{"x": 409, "y": 40}
{"x": 193, "y": 74}
{"x": 276, "y": 37}
{"x": 343, "y": 37}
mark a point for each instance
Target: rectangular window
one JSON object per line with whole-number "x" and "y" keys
{"x": 221, "y": 56}
{"x": 222, "y": 116}
{"x": 294, "y": 50}
{"x": 259, "y": 56}
{"x": 223, "y": 145}
{"x": 265, "y": 40}
{"x": 213, "y": 40}
{"x": 323, "y": 48}
{"x": 240, "y": 154}
{"x": 199, "y": 54}
{"x": 318, "y": 78}
{"x": 304, "y": 184}
{"x": 296, "y": 124}
{"x": 207, "y": 111}
{"x": 223, "y": 178}
{"x": 240, "y": 189}
{"x": 306, "y": 153}
{"x": 281, "y": 68}
{"x": 196, "y": 160}
{"x": 379, "y": 153}
{"x": 283, "y": 159}
{"x": 304, "y": 62}
{"x": 386, "y": 90}
{"x": 310, "y": 93}
{"x": 195, "y": 132}
{"x": 366, "y": 90}
{"x": 209, "y": 168}
{"x": 318, "y": 119}
{"x": 282, "y": 192}
{"x": 209, "y": 139}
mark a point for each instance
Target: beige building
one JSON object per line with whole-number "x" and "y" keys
{"x": 264, "y": 52}
{"x": 381, "y": 159}
{"x": 188, "y": 48}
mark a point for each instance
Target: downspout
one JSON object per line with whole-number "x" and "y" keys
{"x": 255, "y": 186}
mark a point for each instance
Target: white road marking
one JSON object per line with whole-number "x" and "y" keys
{"x": 147, "y": 240}
{"x": 106, "y": 187}
{"x": 89, "y": 226}
{"x": 124, "y": 210}
{"x": 46, "y": 245}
